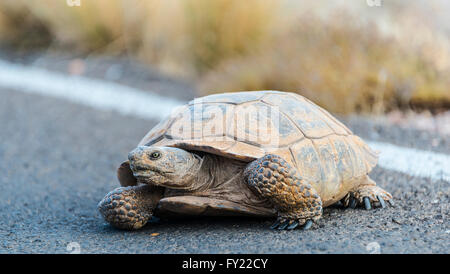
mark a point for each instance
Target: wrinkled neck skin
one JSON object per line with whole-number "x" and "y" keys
{"x": 188, "y": 178}
{"x": 220, "y": 178}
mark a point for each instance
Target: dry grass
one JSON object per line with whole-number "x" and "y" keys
{"x": 341, "y": 63}
{"x": 190, "y": 37}
{"x": 95, "y": 26}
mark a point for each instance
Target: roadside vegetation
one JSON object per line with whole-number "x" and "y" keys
{"x": 344, "y": 62}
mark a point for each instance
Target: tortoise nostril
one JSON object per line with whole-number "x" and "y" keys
{"x": 131, "y": 157}
{"x": 140, "y": 153}
{"x": 135, "y": 154}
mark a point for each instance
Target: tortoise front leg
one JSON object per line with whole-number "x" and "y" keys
{"x": 130, "y": 207}
{"x": 296, "y": 202}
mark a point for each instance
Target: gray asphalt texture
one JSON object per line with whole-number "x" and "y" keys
{"x": 59, "y": 159}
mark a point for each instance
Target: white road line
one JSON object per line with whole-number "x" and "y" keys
{"x": 86, "y": 91}
{"x": 126, "y": 100}
{"x": 413, "y": 161}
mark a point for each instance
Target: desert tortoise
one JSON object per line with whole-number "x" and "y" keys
{"x": 260, "y": 153}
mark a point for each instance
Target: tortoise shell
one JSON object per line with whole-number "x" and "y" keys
{"x": 248, "y": 125}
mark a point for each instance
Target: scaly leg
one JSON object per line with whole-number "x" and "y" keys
{"x": 130, "y": 207}
{"x": 296, "y": 202}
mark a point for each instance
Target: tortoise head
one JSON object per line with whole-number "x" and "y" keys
{"x": 164, "y": 166}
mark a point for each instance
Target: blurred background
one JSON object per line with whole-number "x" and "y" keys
{"x": 348, "y": 56}
{"x": 81, "y": 81}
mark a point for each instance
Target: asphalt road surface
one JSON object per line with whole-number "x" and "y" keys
{"x": 58, "y": 159}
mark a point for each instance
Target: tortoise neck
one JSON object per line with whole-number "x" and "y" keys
{"x": 214, "y": 172}
{"x": 200, "y": 176}
{"x": 191, "y": 175}
{"x": 220, "y": 178}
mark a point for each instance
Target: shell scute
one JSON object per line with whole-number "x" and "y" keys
{"x": 308, "y": 161}
{"x": 262, "y": 125}
{"x": 327, "y": 159}
{"x": 306, "y": 118}
{"x": 344, "y": 158}
{"x": 359, "y": 167}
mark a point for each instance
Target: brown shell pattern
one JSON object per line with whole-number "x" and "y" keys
{"x": 248, "y": 125}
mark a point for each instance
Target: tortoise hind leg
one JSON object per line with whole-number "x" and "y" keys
{"x": 296, "y": 202}
{"x": 367, "y": 194}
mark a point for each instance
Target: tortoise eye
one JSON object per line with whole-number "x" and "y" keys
{"x": 155, "y": 155}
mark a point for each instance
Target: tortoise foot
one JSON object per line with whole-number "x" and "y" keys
{"x": 295, "y": 200}
{"x": 129, "y": 207}
{"x": 368, "y": 196}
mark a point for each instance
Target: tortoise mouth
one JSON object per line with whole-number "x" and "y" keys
{"x": 150, "y": 175}
{"x": 143, "y": 170}
{"x": 148, "y": 178}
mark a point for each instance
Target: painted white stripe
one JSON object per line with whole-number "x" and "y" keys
{"x": 413, "y": 161}
{"x": 126, "y": 100}
{"x": 86, "y": 91}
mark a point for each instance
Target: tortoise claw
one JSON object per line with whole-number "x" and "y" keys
{"x": 353, "y": 203}
{"x": 283, "y": 225}
{"x": 293, "y": 225}
{"x": 276, "y": 224}
{"x": 391, "y": 202}
{"x": 367, "y": 204}
{"x": 381, "y": 200}
{"x": 308, "y": 224}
